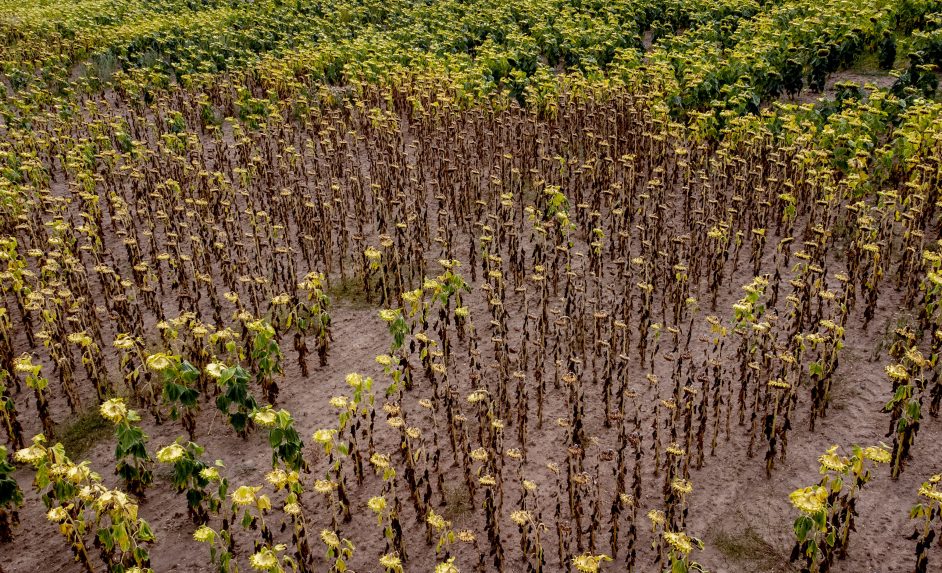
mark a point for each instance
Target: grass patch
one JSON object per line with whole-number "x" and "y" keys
{"x": 457, "y": 503}
{"x": 348, "y": 291}
{"x": 750, "y": 549}
{"x": 869, "y": 64}
{"x": 82, "y": 431}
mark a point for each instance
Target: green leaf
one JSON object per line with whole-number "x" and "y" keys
{"x": 802, "y": 526}
{"x": 274, "y": 437}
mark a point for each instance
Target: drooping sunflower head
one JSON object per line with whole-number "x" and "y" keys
{"x": 811, "y": 500}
